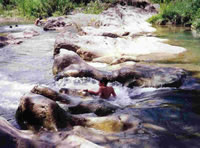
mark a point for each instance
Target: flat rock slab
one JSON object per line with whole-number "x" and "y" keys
{"x": 119, "y": 31}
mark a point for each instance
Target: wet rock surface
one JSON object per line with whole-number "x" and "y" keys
{"x": 3, "y": 41}
{"x": 68, "y": 63}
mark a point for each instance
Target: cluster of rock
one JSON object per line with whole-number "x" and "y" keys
{"x": 18, "y": 37}
{"x": 40, "y": 110}
{"x": 69, "y": 64}
{"x": 116, "y": 37}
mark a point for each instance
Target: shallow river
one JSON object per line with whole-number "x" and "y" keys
{"x": 30, "y": 63}
{"x": 190, "y": 40}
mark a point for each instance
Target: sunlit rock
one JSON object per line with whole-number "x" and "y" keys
{"x": 77, "y": 141}
{"x": 114, "y": 123}
{"x": 68, "y": 63}
{"x": 115, "y": 37}
{"x": 51, "y": 94}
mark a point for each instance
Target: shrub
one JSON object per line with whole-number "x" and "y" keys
{"x": 179, "y": 12}
{"x": 95, "y": 7}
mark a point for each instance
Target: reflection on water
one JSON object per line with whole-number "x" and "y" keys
{"x": 190, "y": 60}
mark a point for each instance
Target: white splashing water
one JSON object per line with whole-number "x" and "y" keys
{"x": 11, "y": 92}
{"x": 123, "y": 93}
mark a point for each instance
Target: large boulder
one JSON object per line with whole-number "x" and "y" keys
{"x": 68, "y": 63}
{"x": 54, "y": 24}
{"x": 150, "y": 76}
{"x": 12, "y": 137}
{"x": 36, "y": 112}
{"x": 116, "y": 34}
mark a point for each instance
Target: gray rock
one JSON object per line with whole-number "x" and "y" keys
{"x": 54, "y": 24}
{"x": 98, "y": 106}
{"x": 12, "y": 137}
{"x": 69, "y": 63}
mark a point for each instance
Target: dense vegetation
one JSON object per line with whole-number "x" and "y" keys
{"x": 178, "y": 12}
{"x": 45, "y": 8}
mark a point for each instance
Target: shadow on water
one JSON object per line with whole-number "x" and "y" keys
{"x": 9, "y": 115}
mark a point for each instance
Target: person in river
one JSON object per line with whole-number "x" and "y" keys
{"x": 64, "y": 91}
{"x": 104, "y": 91}
{"x": 37, "y": 21}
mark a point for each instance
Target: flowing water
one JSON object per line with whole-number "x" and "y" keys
{"x": 30, "y": 63}
{"x": 180, "y": 36}
{"x": 23, "y": 66}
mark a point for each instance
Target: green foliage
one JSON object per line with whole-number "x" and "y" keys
{"x": 36, "y": 8}
{"x": 1, "y": 8}
{"x": 179, "y": 12}
{"x": 94, "y": 7}
{"x": 45, "y": 8}
{"x": 155, "y": 18}
{"x": 160, "y": 1}
{"x": 196, "y": 24}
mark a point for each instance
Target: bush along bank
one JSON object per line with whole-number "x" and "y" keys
{"x": 179, "y": 12}
{"x": 46, "y": 8}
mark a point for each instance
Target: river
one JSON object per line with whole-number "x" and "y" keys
{"x": 30, "y": 63}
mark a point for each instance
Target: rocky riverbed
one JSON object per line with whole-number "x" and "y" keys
{"x": 114, "y": 45}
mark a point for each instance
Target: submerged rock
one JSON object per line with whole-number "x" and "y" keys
{"x": 114, "y": 123}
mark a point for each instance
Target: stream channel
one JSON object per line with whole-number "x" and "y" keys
{"x": 177, "y": 110}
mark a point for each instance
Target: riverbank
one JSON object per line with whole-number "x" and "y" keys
{"x": 180, "y": 12}
{"x": 14, "y": 21}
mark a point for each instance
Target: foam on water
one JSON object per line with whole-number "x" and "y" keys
{"x": 11, "y": 92}
{"x": 123, "y": 93}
